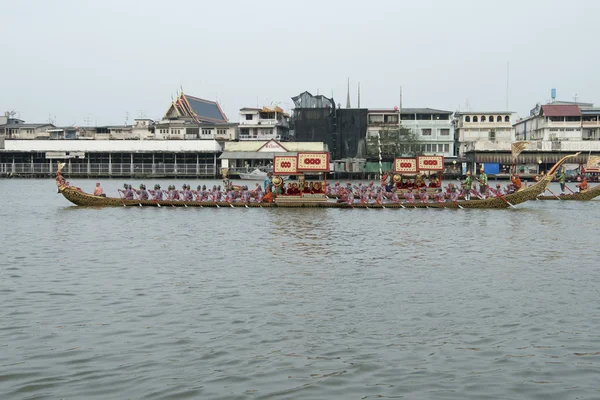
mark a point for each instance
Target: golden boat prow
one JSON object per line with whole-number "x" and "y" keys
{"x": 80, "y": 198}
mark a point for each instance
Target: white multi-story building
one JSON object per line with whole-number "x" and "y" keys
{"x": 432, "y": 128}
{"x": 558, "y": 122}
{"x": 264, "y": 124}
{"x": 475, "y": 130}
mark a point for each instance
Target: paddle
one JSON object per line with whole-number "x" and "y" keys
{"x": 136, "y": 196}
{"x": 502, "y": 197}
{"x": 122, "y": 199}
{"x": 569, "y": 189}
{"x": 456, "y": 204}
{"x": 551, "y": 192}
{"x": 168, "y": 195}
{"x": 155, "y": 201}
{"x": 184, "y": 201}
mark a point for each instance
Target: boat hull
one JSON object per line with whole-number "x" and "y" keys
{"x": 80, "y": 198}
{"x": 589, "y": 194}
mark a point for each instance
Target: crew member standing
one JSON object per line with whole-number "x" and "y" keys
{"x": 562, "y": 178}
{"x": 468, "y": 185}
{"x": 483, "y": 182}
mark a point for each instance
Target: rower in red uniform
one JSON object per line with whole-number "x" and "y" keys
{"x": 423, "y": 195}
{"x": 439, "y": 196}
{"x": 409, "y": 196}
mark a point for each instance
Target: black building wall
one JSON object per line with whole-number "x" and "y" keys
{"x": 316, "y": 125}
{"x": 351, "y": 130}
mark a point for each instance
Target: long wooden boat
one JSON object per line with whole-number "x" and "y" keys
{"x": 583, "y": 196}
{"x": 77, "y": 197}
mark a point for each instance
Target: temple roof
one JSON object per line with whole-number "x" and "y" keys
{"x": 200, "y": 110}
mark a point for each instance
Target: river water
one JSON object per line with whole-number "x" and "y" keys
{"x": 296, "y": 303}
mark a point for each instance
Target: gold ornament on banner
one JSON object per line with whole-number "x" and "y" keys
{"x": 397, "y": 178}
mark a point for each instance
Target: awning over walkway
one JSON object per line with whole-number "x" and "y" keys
{"x": 252, "y": 155}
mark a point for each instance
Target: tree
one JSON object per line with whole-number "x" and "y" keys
{"x": 400, "y": 142}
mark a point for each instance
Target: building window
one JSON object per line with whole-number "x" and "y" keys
{"x": 506, "y": 118}
{"x": 498, "y": 118}
{"x": 446, "y": 148}
{"x": 492, "y": 136}
{"x": 207, "y": 131}
{"x": 445, "y": 132}
{"x": 467, "y": 118}
{"x": 475, "y": 118}
{"x": 221, "y": 132}
{"x": 483, "y": 118}
{"x": 426, "y": 132}
{"x": 428, "y": 147}
{"x": 249, "y": 117}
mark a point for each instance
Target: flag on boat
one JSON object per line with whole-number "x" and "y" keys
{"x": 593, "y": 162}
{"x": 517, "y": 148}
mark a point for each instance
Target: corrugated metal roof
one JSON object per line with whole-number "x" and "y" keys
{"x": 568, "y": 110}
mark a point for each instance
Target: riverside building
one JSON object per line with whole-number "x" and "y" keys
{"x": 185, "y": 142}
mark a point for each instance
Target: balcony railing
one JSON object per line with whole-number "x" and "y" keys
{"x": 96, "y": 169}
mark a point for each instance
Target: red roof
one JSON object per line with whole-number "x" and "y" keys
{"x": 569, "y": 110}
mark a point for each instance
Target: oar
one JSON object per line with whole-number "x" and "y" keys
{"x": 502, "y": 197}
{"x": 136, "y": 196}
{"x": 184, "y": 200}
{"x": 551, "y": 192}
{"x": 569, "y": 189}
{"x": 122, "y": 199}
{"x": 477, "y": 194}
{"x": 167, "y": 195}
{"x": 154, "y": 198}
{"x": 197, "y": 198}
{"x": 456, "y": 203}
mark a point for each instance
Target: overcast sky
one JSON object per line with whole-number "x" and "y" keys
{"x": 96, "y": 61}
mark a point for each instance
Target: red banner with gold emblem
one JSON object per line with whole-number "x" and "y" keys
{"x": 405, "y": 165}
{"x": 316, "y": 162}
{"x": 285, "y": 165}
{"x": 430, "y": 163}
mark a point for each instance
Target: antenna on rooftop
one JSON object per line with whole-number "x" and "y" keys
{"x": 126, "y": 117}
{"x": 575, "y": 98}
